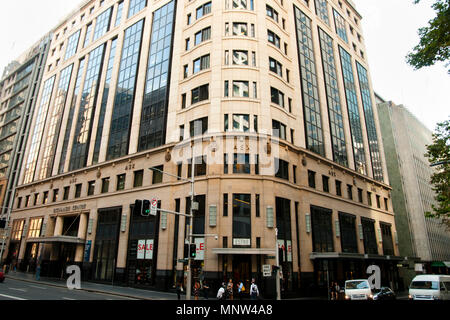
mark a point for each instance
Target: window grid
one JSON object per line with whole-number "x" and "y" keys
{"x": 322, "y": 10}
{"x": 70, "y": 119}
{"x": 353, "y": 112}
{"x": 119, "y": 134}
{"x": 154, "y": 109}
{"x": 72, "y": 45}
{"x": 55, "y": 123}
{"x": 101, "y": 120}
{"x": 119, "y": 14}
{"x": 86, "y": 111}
{"x": 333, "y": 99}
{"x": 313, "y": 120}
{"x": 102, "y": 24}
{"x": 370, "y": 123}
{"x": 340, "y": 26}
{"x": 38, "y": 130}
{"x": 136, "y": 6}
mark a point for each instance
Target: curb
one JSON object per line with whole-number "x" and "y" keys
{"x": 83, "y": 289}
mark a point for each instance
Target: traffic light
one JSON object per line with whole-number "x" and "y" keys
{"x": 193, "y": 251}
{"x": 146, "y": 208}
{"x": 137, "y": 210}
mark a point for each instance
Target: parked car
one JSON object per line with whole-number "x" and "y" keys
{"x": 384, "y": 293}
{"x": 358, "y": 290}
{"x": 430, "y": 287}
{"x": 2, "y": 276}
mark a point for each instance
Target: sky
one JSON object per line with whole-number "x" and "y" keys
{"x": 389, "y": 28}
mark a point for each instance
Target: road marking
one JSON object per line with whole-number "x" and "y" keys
{"x": 11, "y": 297}
{"x": 67, "y": 298}
{"x": 38, "y": 287}
{"x": 23, "y": 290}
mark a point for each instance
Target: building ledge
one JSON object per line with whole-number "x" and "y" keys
{"x": 56, "y": 239}
{"x": 357, "y": 256}
{"x": 244, "y": 251}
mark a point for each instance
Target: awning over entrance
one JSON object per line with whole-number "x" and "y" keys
{"x": 441, "y": 264}
{"x": 244, "y": 251}
{"x": 356, "y": 256}
{"x": 58, "y": 239}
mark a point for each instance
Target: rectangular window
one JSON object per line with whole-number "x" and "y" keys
{"x": 240, "y": 89}
{"x": 326, "y": 183}
{"x": 105, "y": 185}
{"x": 273, "y": 39}
{"x": 225, "y": 205}
{"x": 271, "y": 13}
{"x": 157, "y": 175}
{"x": 311, "y": 179}
{"x": 181, "y": 132}
{"x": 19, "y": 202}
{"x": 347, "y": 226}
{"x": 183, "y": 101}
{"x": 322, "y": 10}
{"x": 72, "y": 45}
{"x": 225, "y": 163}
{"x": 360, "y": 195}
{"x": 226, "y": 89}
{"x": 203, "y": 10}
{"x": 294, "y": 170}
{"x": 386, "y": 234}
{"x": 338, "y": 188}
{"x": 350, "y": 192}
{"x": 240, "y": 29}
{"x": 340, "y": 26}
{"x": 55, "y": 195}
{"x": 322, "y": 230}
{"x": 91, "y": 188}
{"x": 200, "y": 166}
{"x": 277, "y": 97}
{"x": 281, "y": 169}
{"x": 198, "y": 127}
{"x": 278, "y": 130}
{"x": 66, "y": 193}
{"x": 185, "y": 71}
{"x": 136, "y": 6}
{"x": 202, "y": 36}
{"x": 256, "y": 164}
{"x": 369, "y": 237}
{"x": 121, "y": 182}
{"x": 87, "y": 37}
{"x": 369, "y": 198}
{"x": 241, "y": 164}
{"x": 242, "y": 213}
{"x": 201, "y": 64}
{"x": 241, "y": 122}
{"x": 240, "y": 57}
{"x": 258, "y": 205}
{"x": 386, "y": 204}
{"x": 200, "y": 94}
{"x": 119, "y": 13}
{"x": 378, "y": 202}
{"x": 275, "y": 67}
{"x": 45, "y": 198}
{"x": 78, "y": 190}
{"x": 102, "y": 24}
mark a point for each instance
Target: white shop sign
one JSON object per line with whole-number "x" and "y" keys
{"x": 241, "y": 242}
{"x": 200, "y": 244}
{"x": 145, "y": 250}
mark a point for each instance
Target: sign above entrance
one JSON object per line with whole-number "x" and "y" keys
{"x": 267, "y": 270}
{"x": 241, "y": 242}
{"x": 70, "y": 208}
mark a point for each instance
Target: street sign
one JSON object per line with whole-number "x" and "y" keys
{"x": 154, "y": 207}
{"x": 267, "y": 270}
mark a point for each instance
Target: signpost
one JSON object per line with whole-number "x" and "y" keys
{"x": 154, "y": 207}
{"x": 267, "y": 270}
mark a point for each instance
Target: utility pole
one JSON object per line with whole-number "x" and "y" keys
{"x": 189, "y": 271}
{"x": 277, "y": 278}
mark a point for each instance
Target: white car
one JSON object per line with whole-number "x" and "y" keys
{"x": 430, "y": 287}
{"x": 358, "y": 290}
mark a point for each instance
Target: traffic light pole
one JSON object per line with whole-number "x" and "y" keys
{"x": 277, "y": 254}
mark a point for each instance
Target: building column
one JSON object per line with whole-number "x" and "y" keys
{"x": 59, "y": 226}
{"x": 82, "y": 230}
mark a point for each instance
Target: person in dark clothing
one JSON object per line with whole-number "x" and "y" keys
{"x": 179, "y": 290}
{"x": 205, "y": 289}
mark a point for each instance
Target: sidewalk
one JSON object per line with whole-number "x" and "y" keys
{"x": 133, "y": 293}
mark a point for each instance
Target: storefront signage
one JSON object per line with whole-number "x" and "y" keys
{"x": 267, "y": 270}
{"x": 286, "y": 248}
{"x": 145, "y": 250}
{"x": 241, "y": 242}
{"x": 200, "y": 244}
{"x": 70, "y": 208}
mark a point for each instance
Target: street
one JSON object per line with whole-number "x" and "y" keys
{"x": 13, "y": 289}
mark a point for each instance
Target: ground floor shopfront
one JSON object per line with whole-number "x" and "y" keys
{"x": 87, "y": 218}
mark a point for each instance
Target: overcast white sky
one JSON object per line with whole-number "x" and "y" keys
{"x": 390, "y": 31}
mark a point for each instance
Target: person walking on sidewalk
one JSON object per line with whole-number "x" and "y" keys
{"x": 221, "y": 292}
{"x": 254, "y": 292}
{"x": 179, "y": 290}
{"x": 230, "y": 289}
{"x": 241, "y": 289}
{"x": 205, "y": 289}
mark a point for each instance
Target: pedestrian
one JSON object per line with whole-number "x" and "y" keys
{"x": 196, "y": 290}
{"x": 221, "y": 292}
{"x": 254, "y": 292}
{"x": 205, "y": 289}
{"x": 337, "y": 289}
{"x": 241, "y": 289}
{"x": 179, "y": 289}
{"x": 332, "y": 289}
{"x": 230, "y": 289}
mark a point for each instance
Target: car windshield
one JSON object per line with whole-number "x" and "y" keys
{"x": 427, "y": 285}
{"x": 356, "y": 285}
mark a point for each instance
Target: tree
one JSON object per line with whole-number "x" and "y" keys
{"x": 439, "y": 157}
{"x": 434, "y": 42}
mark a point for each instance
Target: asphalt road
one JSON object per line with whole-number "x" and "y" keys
{"x": 12, "y": 289}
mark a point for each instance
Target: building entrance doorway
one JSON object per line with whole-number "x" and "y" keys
{"x": 242, "y": 271}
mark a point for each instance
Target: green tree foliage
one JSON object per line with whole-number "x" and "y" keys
{"x": 434, "y": 42}
{"x": 439, "y": 157}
